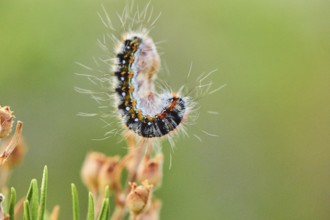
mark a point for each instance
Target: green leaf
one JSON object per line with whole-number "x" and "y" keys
{"x": 107, "y": 192}
{"x": 12, "y": 203}
{"x": 75, "y": 202}
{"x": 33, "y": 197}
{"x": 30, "y": 191}
{"x": 90, "y": 212}
{"x": 27, "y": 210}
{"x": 104, "y": 213}
{"x": 43, "y": 197}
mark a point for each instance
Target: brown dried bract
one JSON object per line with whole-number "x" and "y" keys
{"x": 6, "y": 121}
{"x": 15, "y": 140}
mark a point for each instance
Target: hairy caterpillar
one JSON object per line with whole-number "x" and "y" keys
{"x": 130, "y": 86}
{"x": 144, "y": 111}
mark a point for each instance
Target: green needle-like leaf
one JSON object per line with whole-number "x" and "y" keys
{"x": 107, "y": 192}
{"x": 27, "y": 210}
{"x": 75, "y": 202}
{"x": 30, "y": 191}
{"x": 90, "y": 212}
{"x": 33, "y": 197}
{"x": 12, "y": 203}
{"x": 43, "y": 197}
{"x": 104, "y": 213}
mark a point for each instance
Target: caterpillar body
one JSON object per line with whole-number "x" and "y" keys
{"x": 143, "y": 111}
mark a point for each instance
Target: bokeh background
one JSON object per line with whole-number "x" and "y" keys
{"x": 271, "y": 159}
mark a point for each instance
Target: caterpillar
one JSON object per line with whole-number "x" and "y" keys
{"x": 129, "y": 89}
{"x": 143, "y": 111}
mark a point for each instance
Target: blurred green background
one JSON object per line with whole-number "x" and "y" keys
{"x": 272, "y": 157}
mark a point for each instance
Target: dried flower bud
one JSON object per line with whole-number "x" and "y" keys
{"x": 55, "y": 213}
{"x": 17, "y": 155}
{"x": 8, "y": 149}
{"x": 110, "y": 173}
{"x": 153, "y": 212}
{"x": 130, "y": 163}
{"x": 6, "y": 121}
{"x": 91, "y": 169}
{"x": 151, "y": 170}
{"x": 138, "y": 200}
